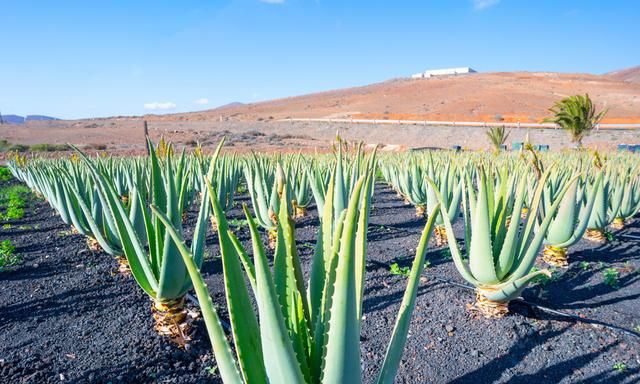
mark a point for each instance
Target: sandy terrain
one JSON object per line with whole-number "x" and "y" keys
{"x": 126, "y": 136}
{"x": 491, "y": 97}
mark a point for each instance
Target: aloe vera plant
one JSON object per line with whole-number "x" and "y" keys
{"x": 266, "y": 186}
{"x": 449, "y": 185}
{"x": 160, "y": 270}
{"x": 413, "y": 186}
{"x": 300, "y": 185}
{"x": 625, "y": 197}
{"x": 600, "y": 216}
{"x": 295, "y": 336}
{"x": 499, "y": 257}
{"x": 570, "y": 222}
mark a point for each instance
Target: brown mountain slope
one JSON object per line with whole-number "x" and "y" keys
{"x": 504, "y": 96}
{"x": 631, "y": 75}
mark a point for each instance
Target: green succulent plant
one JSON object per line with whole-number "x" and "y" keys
{"x": 499, "y": 257}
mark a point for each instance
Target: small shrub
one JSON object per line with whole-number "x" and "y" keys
{"x": 49, "y": 147}
{"x": 19, "y": 148}
{"x": 96, "y": 147}
{"x": 585, "y": 265}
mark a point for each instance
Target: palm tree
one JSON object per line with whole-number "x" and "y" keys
{"x": 577, "y": 115}
{"x": 498, "y": 136}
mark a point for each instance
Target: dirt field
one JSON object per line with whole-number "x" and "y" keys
{"x": 126, "y": 135}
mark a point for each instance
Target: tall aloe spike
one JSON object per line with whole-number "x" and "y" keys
{"x": 280, "y": 360}
{"x": 343, "y": 351}
{"x": 243, "y": 321}
{"x": 221, "y": 349}
{"x": 401, "y": 328}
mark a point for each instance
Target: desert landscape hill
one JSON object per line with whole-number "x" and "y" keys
{"x": 490, "y": 97}
{"x": 494, "y": 98}
{"x": 631, "y": 75}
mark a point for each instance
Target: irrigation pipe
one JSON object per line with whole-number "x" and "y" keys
{"x": 548, "y": 310}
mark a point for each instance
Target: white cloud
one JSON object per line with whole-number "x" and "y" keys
{"x": 202, "y": 101}
{"x": 160, "y": 106}
{"x": 272, "y": 1}
{"x": 479, "y": 5}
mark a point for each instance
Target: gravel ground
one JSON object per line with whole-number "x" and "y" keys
{"x": 67, "y": 316}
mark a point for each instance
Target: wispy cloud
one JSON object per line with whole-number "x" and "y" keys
{"x": 201, "y": 101}
{"x": 479, "y": 5}
{"x": 156, "y": 106}
{"x": 272, "y": 1}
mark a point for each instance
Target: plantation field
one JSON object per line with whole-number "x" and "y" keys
{"x": 68, "y": 315}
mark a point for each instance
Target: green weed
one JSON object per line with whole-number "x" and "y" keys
{"x": 620, "y": 367}
{"x": 8, "y": 256}
{"x": 395, "y": 269}
{"x": 611, "y": 277}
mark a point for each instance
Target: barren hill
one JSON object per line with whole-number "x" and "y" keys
{"x": 492, "y": 97}
{"x": 489, "y": 97}
{"x": 631, "y": 75}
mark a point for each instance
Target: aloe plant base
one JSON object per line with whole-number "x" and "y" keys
{"x": 618, "y": 223}
{"x": 486, "y": 308}
{"x": 172, "y": 320}
{"x": 440, "y": 236}
{"x": 596, "y": 235}
{"x": 93, "y": 245}
{"x": 273, "y": 238}
{"x": 555, "y": 256}
{"x": 299, "y": 212}
{"x": 123, "y": 266}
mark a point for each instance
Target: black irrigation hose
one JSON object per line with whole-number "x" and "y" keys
{"x": 549, "y": 310}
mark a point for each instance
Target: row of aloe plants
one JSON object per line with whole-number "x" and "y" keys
{"x": 309, "y": 331}
{"x": 511, "y": 205}
{"x": 299, "y": 332}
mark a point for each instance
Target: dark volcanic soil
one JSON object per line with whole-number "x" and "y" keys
{"x": 67, "y": 316}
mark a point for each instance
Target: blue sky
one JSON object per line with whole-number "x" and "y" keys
{"x": 75, "y": 59}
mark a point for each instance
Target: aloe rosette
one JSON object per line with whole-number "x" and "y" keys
{"x": 600, "y": 216}
{"x": 570, "y": 222}
{"x": 449, "y": 185}
{"x": 625, "y": 197}
{"x": 159, "y": 269}
{"x": 500, "y": 257}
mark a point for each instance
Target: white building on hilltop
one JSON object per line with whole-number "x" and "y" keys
{"x": 443, "y": 72}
